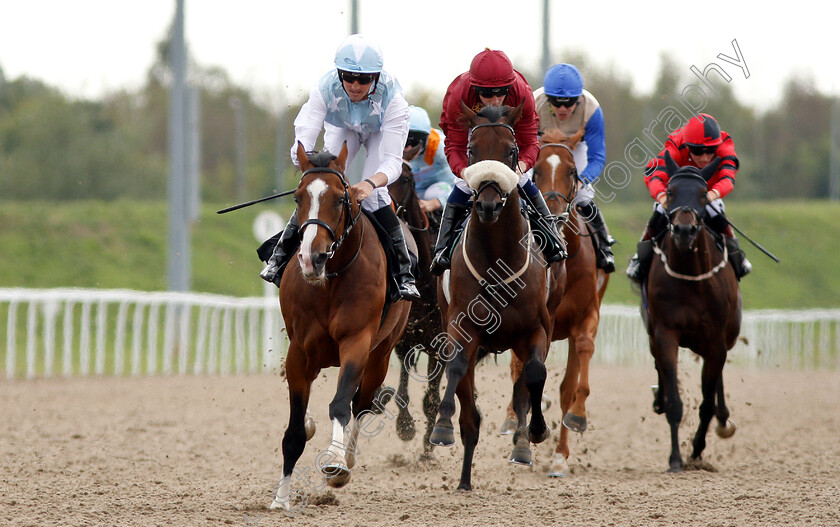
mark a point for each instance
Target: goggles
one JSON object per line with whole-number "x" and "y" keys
{"x": 362, "y": 78}
{"x": 561, "y": 102}
{"x": 488, "y": 93}
{"x": 416, "y": 138}
{"x": 701, "y": 150}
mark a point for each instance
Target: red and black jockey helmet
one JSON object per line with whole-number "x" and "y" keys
{"x": 492, "y": 70}
{"x": 702, "y": 131}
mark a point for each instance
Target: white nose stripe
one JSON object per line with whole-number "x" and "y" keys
{"x": 555, "y": 161}
{"x": 315, "y": 189}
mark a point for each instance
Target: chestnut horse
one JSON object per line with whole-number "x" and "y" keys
{"x": 578, "y": 316}
{"x": 424, "y": 320}
{"x": 332, "y": 297}
{"x": 494, "y": 297}
{"x": 693, "y": 301}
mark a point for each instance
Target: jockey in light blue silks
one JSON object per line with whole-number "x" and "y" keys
{"x": 424, "y": 154}
{"x": 360, "y": 104}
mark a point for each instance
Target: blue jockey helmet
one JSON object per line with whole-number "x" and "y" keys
{"x": 358, "y": 54}
{"x": 563, "y": 80}
{"x": 418, "y": 120}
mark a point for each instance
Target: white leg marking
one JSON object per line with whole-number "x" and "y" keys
{"x": 281, "y": 500}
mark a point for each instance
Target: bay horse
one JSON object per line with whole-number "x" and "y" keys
{"x": 494, "y": 296}
{"x": 578, "y": 315}
{"x": 691, "y": 299}
{"x": 332, "y": 298}
{"x": 424, "y": 320}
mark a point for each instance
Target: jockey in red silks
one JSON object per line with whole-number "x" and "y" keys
{"x": 490, "y": 81}
{"x": 697, "y": 144}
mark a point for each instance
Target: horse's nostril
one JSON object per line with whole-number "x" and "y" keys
{"x": 320, "y": 259}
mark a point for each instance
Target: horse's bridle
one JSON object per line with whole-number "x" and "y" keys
{"x": 402, "y": 205}
{"x": 554, "y": 195}
{"x": 515, "y": 162}
{"x": 694, "y": 213}
{"x": 351, "y": 220}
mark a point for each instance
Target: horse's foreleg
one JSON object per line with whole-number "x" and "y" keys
{"x": 294, "y": 440}
{"x": 726, "y": 427}
{"x": 711, "y": 378}
{"x": 353, "y": 352}
{"x": 559, "y": 467}
{"x": 443, "y": 433}
{"x": 511, "y": 420}
{"x": 582, "y": 344}
{"x": 664, "y": 347}
{"x": 470, "y": 421}
{"x": 405, "y": 423}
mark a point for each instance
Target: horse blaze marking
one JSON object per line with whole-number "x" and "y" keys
{"x": 315, "y": 189}
{"x": 555, "y": 161}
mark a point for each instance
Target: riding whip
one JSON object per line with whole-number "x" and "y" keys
{"x": 249, "y": 203}
{"x": 757, "y": 246}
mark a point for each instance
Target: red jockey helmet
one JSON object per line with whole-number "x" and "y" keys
{"x": 702, "y": 130}
{"x": 491, "y": 69}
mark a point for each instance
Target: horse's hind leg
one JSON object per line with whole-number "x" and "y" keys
{"x": 405, "y": 423}
{"x": 431, "y": 401}
{"x": 294, "y": 440}
{"x": 559, "y": 467}
{"x": 510, "y": 424}
{"x": 582, "y": 345}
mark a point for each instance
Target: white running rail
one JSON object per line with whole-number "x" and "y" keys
{"x": 82, "y": 332}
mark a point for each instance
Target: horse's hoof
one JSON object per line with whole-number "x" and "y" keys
{"x": 278, "y": 504}
{"x": 508, "y": 427}
{"x": 309, "y": 426}
{"x": 575, "y": 423}
{"x": 521, "y": 455}
{"x": 337, "y": 475}
{"x": 675, "y": 470}
{"x": 727, "y": 431}
{"x": 442, "y": 435}
{"x": 405, "y": 427}
{"x": 537, "y": 439}
{"x": 559, "y": 467}
{"x": 546, "y": 403}
{"x": 350, "y": 458}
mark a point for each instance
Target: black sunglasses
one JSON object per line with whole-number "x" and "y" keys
{"x": 361, "y": 78}
{"x": 488, "y": 93}
{"x": 702, "y": 150}
{"x": 565, "y": 102}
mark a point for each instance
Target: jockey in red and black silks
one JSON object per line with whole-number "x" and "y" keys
{"x": 699, "y": 143}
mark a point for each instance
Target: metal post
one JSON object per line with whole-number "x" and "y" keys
{"x": 193, "y": 154}
{"x": 239, "y": 117}
{"x": 546, "y": 19}
{"x": 354, "y": 17}
{"x": 834, "y": 153}
{"x": 178, "y": 257}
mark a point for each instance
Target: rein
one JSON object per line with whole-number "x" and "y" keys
{"x": 351, "y": 220}
{"x": 477, "y": 275}
{"x": 691, "y": 278}
{"x": 402, "y": 206}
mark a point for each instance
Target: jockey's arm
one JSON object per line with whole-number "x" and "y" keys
{"x": 394, "y": 132}
{"x": 596, "y": 148}
{"x": 309, "y": 122}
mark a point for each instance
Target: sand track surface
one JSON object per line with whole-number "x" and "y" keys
{"x": 192, "y": 451}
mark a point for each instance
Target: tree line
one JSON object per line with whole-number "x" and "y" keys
{"x": 57, "y": 147}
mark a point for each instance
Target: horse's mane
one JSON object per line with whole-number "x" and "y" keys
{"x": 320, "y": 159}
{"x": 552, "y": 136}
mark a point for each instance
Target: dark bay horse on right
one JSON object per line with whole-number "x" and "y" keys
{"x": 691, "y": 299}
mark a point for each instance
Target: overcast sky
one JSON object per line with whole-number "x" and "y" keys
{"x": 280, "y": 48}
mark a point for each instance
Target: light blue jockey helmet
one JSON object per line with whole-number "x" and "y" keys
{"x": 418, "y": 120}
{"x": 359, "y": 54}
{"x": 563, "y": 80}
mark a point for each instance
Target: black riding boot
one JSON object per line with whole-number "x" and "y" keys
{"x": 555, "y": 249}
{"x": 605, "y": 259}
{"x": 453, "y": 215}
{"x": 737, "y": 258}
{"x": 640, "y": 262}
{"x": 282, "y": 246}
{"x": 405, "y": 280}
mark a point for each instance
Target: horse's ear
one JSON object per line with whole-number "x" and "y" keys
{"x": 516, "y": 113}
{"x": 576, "y": 138}
{"x": 341, "y": 160}
{"x": 469, "y": 115}
{"x": 303, "y": 159}
{"x": 671, "y": 166}
{"x": 709, "y": 170}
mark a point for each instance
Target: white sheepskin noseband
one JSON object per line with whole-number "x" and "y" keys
{"x": 489, "y": 170}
